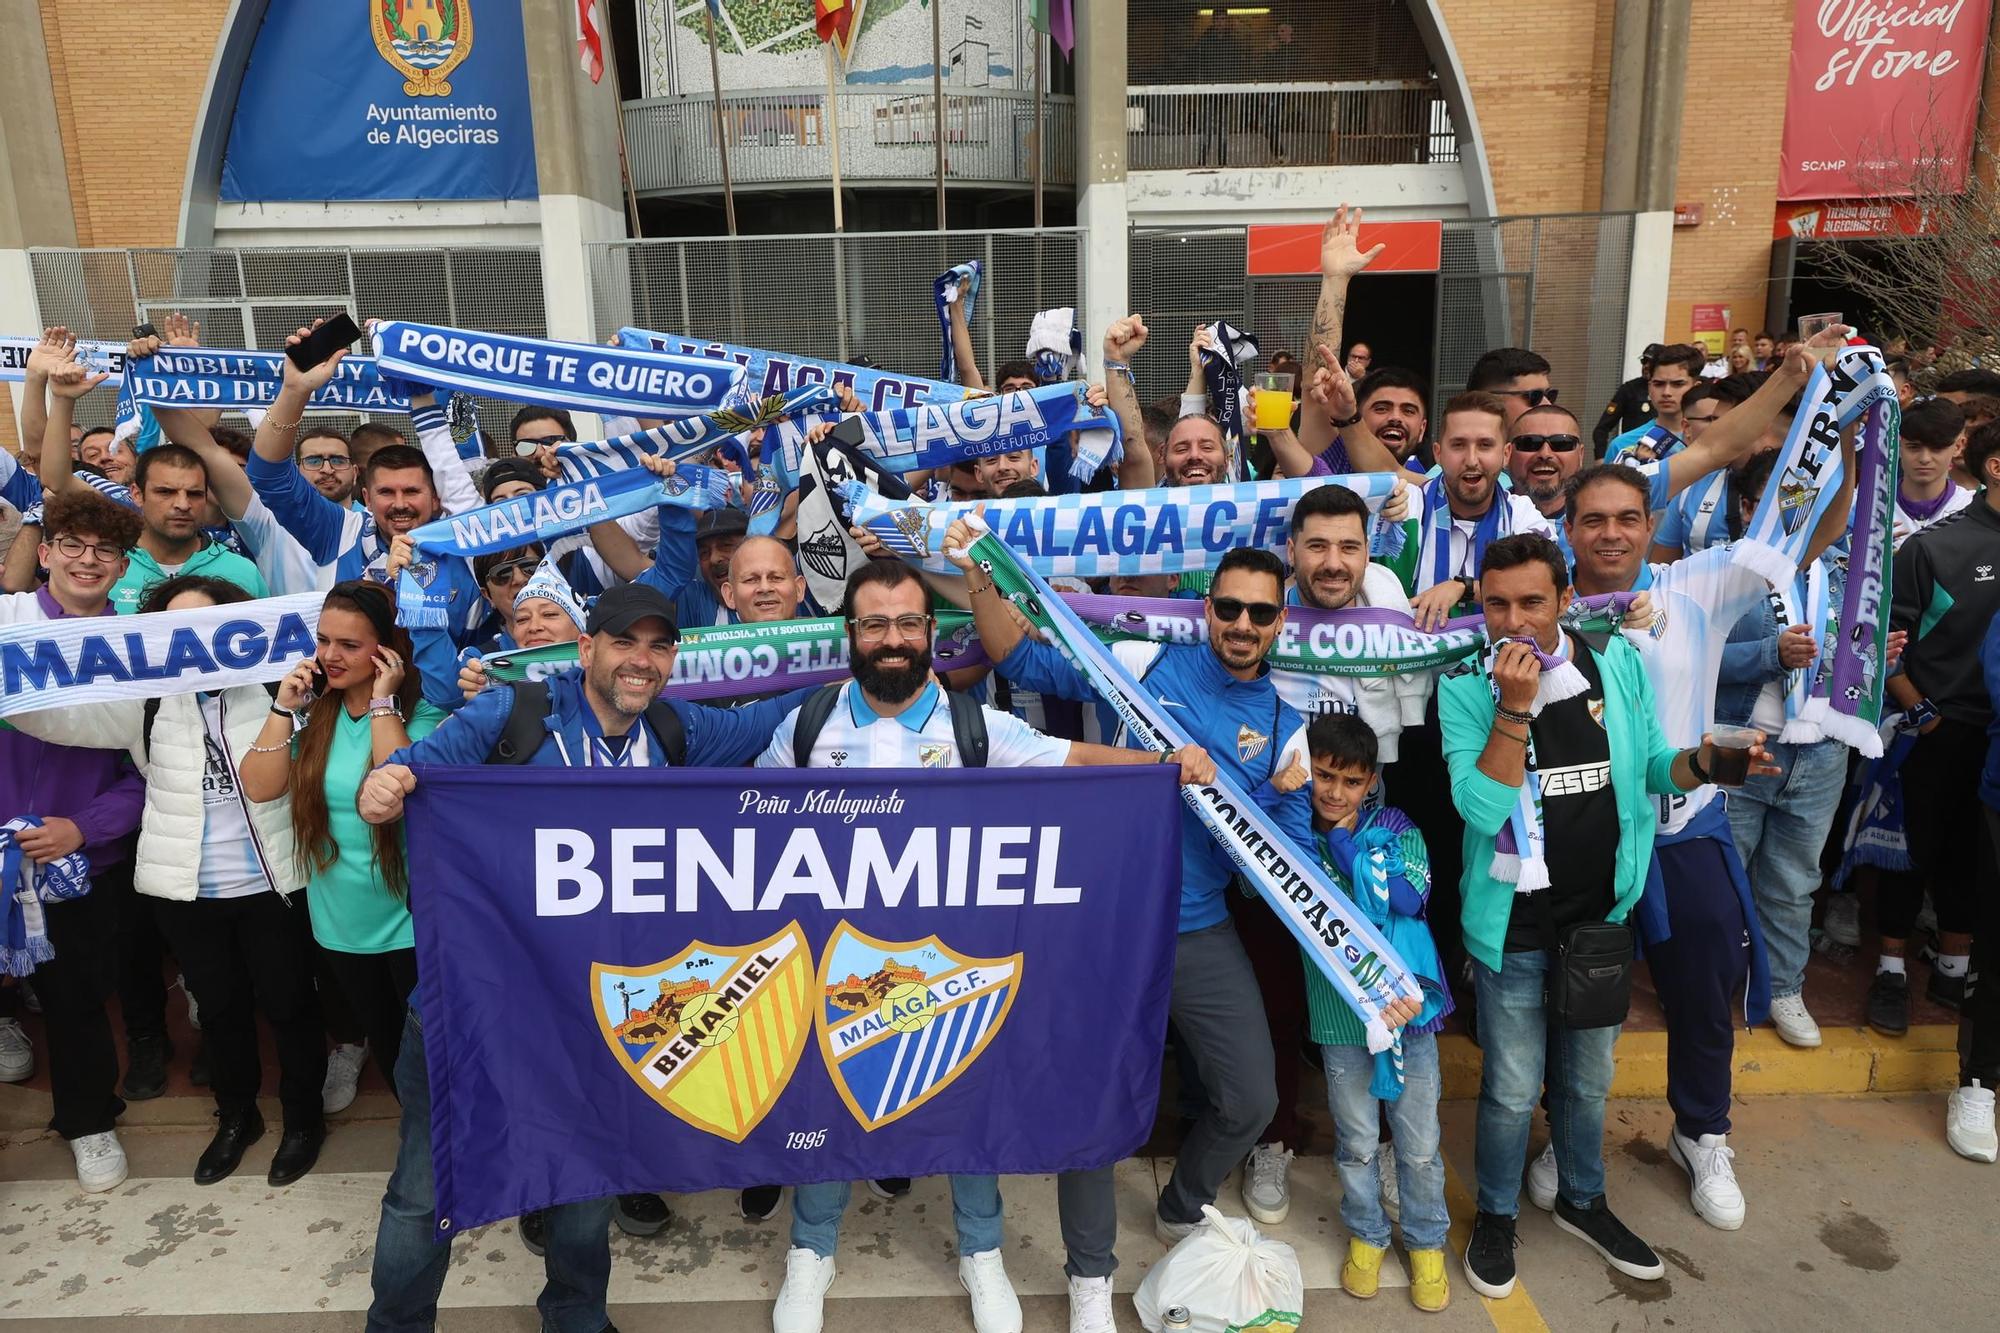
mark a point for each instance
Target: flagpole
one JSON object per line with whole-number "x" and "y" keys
{"x": 833, "y": 119}
{"x": 1035, "y": 139}
{"x": 839, "y": 226}
{"x": 721, "y": 129}
{"x": 937, "y": 91}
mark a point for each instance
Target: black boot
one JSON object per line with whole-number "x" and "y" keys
{"x": 297, "y": 1152}
{"x": 146, "y": 1057}
{"x": 238, "y": 1130}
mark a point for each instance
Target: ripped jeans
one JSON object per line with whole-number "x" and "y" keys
{"x": 1413, "y": 1122}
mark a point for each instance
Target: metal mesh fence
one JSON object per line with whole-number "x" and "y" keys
{"x": 1558, "y": 285}
{"x": 254, "y": 298}
{"x": 837, "y": 297}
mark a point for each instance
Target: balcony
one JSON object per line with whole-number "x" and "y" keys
{"x": 783, "y": 137}
{"x": 1374, "y": 122}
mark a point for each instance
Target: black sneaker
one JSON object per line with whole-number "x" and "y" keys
{"x": 641, "y": 1214}
{"x": 535, "y": 1232}
{"x": 889, "y": 1187}
{"x": 146, "y": 1059}
{"x": 760, "y": 1201}
{"x": 1889, "y": 1003}
{"x": 1947, "y": 991}
{"x": 1489, "y": 1256}
{"x": 1601, "y": 1228}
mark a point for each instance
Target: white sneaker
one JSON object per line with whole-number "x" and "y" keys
{"x": 1392, "y": 1199}
{"x": 100, "y": 1162}
{"x": 801, "y": 1306}
{"x": 1090, "y": 1305}
{"x": 1793, "y": 1020}
{"x": 1171, "y": 1234}
{"x": 343, "y": 1075}
{"x": 1712, "y": 1187}
{"x": 17, "y": 1054}
{"x": 1968, "y": 1123}
{"x": 1267, "y": 1191}
{"x": 1542, "y": 1179}
{"x": 1842, "y": 920}
{"x": 995, "y": 1309}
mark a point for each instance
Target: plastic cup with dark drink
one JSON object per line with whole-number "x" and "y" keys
{"x": 1731, "y": 747}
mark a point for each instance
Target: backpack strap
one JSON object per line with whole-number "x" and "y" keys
{"x": 811, "y": 720}
{"x": 671, "y": 731}
{"x": 968, "y": 728}
{"x": 521, "y": 735}
{"x": 152, "y": 711}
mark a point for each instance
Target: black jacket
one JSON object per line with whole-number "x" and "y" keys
{"x": 1947, "y": 591}
{"x": 1628, "y": 407}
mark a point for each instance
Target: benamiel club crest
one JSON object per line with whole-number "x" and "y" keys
{"x": 899, "y": 1021}
{"x": 711, "y": 1034}
{"x": 424, "y": 39}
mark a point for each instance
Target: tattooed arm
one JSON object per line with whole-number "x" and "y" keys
{"x": 1340, "y": 258}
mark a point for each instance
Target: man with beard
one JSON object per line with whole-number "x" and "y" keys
{"x": 398, "y": 485}
{"x": 605, "y": 714}
{"x": 1697, "y": 921}
{"x": 894, "y": 715}
{"x": 324, "y": 455}
{"x": 1222, "y": 692}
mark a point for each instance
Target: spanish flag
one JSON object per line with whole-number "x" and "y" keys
{"x": 834, "y": 21}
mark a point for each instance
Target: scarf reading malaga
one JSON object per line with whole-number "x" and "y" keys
{"x": 583, "y": 376}
{"x": 689, "y": 437}
{"x": 1338, "y": 938}
{"x": 767, "y": 373}
{"x": 916, "y": 439}
{"x": 543, "y": 516}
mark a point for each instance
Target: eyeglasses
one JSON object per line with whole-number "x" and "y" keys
{"x": 317, "y": 461}
{"x": 1230, "y": 609}
{"x": 74, "y": 548}
{"x": 512, "y": 571}
{"x": 871, "y": 629}
{"x": 1701, "y": 421}
{"x": 526, "y": 446}
{"x": 1533, "y": 444}
{"x": 1534, "y": 397}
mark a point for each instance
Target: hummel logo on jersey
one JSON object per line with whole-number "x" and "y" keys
{"x": 1249, "y": 743}
{"x": 1575, "y": 780}
{"x": 1982, "y": 573}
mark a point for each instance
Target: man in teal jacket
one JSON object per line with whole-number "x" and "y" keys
{"x": 1594, "y": 758}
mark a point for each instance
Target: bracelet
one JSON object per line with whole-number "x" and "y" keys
{"x": 1701, "y": 775}
{"x": 388, "y": 701}
{"x": 1166, "y": 757}
{"x": 974, "y": 590}
{"x": 1343, "y": 425}
{"x": 1506, "y": 714}
{"x": 284, "y": 425}
{"x": 1521, "y": 739}
{"x": 1117, "y": 365}
{"x": 271, "y": 749}
{"x": 285, "y": 713}
{"x": 375, "y": 713}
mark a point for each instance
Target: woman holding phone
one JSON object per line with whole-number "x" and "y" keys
{"x": 336, "y": 716}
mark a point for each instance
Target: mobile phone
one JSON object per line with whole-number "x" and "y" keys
{"x": 145, "y": 330}
{"x": 337, "y": 332}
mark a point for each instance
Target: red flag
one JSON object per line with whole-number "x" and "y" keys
{"x": 833, "y": 20}
{"x": 589, "y": 45}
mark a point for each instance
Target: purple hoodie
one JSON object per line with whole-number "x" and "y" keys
{"x": 97, "y": 789}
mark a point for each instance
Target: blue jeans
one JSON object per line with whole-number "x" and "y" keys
{"x": 818, "y": 1208}
{"x": 1413, "y": 1119}
{"x": 1780, "y": 823}
{"x": 1521, "y": 1048}
{"x": 410, "y": 1262}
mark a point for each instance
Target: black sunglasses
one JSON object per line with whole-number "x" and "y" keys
{"x": 1230, "y": 609}
{"x": 1532, "y": 444}
{"x": 1534, "y": 397}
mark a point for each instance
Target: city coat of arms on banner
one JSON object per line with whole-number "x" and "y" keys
{"x": 424, "y": 39}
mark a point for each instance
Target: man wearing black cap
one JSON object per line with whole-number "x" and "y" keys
{"x": 607, "y": 713}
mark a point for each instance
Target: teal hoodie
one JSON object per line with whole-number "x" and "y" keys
{"x": 213, "y": 559}
{"x": 1641, "y": 766}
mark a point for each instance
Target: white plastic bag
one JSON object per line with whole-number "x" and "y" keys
{"x": 1230, "y": 1277}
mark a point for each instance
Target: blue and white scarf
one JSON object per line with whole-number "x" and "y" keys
{"x": 961, "y": 284}
{"x": 95, "y": 356}
{"x": 1055, "y": 345}
{"x": 1222, "y": 363}
{"x": 26, "y": 887}
{"x": 583, "y": 376}
{"x": 1438, "y": 519}
{"x": 690, "y": 437}
{"x": 245, "y": 381}
{"x": 543, "y": 516}
{"x": 918, "y": 439}
{"x": 768, "y": 373}
{"x": 1807, "y": 600}
{"x": 1169, "y": 530}
{"x": 1875, "y": 834}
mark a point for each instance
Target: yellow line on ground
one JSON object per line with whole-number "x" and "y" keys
{"x": 1516, "y": 1314}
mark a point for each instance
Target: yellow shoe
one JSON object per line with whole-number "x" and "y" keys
{"x": 1361, "y": 1275}
{"x": 1430, "y": 1289}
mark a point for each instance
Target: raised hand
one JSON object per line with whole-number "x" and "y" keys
{"x": 1124, "y": 338}
{"x": 314, "y": 378}
{"x": 180, "y": 331}
{"x": 72, "y": 380}
{"x": 58, "y": 345}
{"x": 1340, "y": 253}
{"x": 1292, "y": 776}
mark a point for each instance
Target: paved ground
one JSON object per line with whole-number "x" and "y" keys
{"x": 1859, "y": 1217}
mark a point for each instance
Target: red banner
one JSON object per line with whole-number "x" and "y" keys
{"x": 1882, "y": 97}
{"x": 1291, "y": 249}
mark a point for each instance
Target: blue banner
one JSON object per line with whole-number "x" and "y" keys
{"x": 388, "y": 99}
{"x": 806, "y": 975}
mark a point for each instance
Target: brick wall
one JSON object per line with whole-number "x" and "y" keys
{"x": 127, "y": 95}
{"x": 1731, "y": 129}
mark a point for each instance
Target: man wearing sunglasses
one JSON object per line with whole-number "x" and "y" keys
{"x": 1546, "y": 449}
{"x": 1222, "y": 693}
{"x": 1517, "y": 376}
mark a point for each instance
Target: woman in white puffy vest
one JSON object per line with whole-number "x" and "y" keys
{"x": 218, "y": 869}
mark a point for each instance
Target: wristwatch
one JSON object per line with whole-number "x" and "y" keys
{"x": 1344, "y": 424}
{"x": 1701, "y": 775}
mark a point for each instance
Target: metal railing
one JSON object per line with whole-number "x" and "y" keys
{"x": 1378, "y": 122}
{"x": 784, "y": 136}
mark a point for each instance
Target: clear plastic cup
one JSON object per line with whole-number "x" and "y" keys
{"x": 1732, "y": 746}
{"x": 1272, "y": 400}
{"x": 1812, "y": 325}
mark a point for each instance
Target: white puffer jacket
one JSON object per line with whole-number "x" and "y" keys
{"x": 168, "y": 862}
